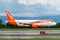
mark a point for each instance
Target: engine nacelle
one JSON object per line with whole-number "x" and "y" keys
{"x": 34, "y": 26}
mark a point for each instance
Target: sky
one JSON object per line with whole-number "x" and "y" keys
{"x": 30, "y": 8}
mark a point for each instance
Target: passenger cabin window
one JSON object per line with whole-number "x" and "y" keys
{"x": 20, "y": 23}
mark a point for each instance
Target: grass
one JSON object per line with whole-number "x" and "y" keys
{"x": 29, "y": 28}
{"x": 34, "y": 39}
{"x": 52, "y": 34}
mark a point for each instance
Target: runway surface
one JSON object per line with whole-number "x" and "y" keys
{"x": 9, "y": 37}
{"x": 29, "y": 32}
{"x": 32, "y": 32}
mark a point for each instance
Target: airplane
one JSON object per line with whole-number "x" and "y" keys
{"x": 28, "y": 23}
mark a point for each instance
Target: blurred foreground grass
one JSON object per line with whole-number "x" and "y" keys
{"x": 34, "y": 39}
{"x": 29, "y": 28}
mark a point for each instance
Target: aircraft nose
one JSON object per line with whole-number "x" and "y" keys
{"x": 54, "y": 23}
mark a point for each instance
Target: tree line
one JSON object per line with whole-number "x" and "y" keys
{"x": 11, "y": 26}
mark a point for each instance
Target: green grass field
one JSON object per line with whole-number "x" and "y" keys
{"x": 35, "y": 39}
{"x": 29, "y": 28}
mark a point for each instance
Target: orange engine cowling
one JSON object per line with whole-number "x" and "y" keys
{"x": 34, "y": 26}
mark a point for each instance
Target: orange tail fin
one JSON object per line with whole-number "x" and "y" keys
{"x": 10, "y": 18}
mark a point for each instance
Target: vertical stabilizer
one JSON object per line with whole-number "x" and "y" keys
{"x": 10, "y": 18}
